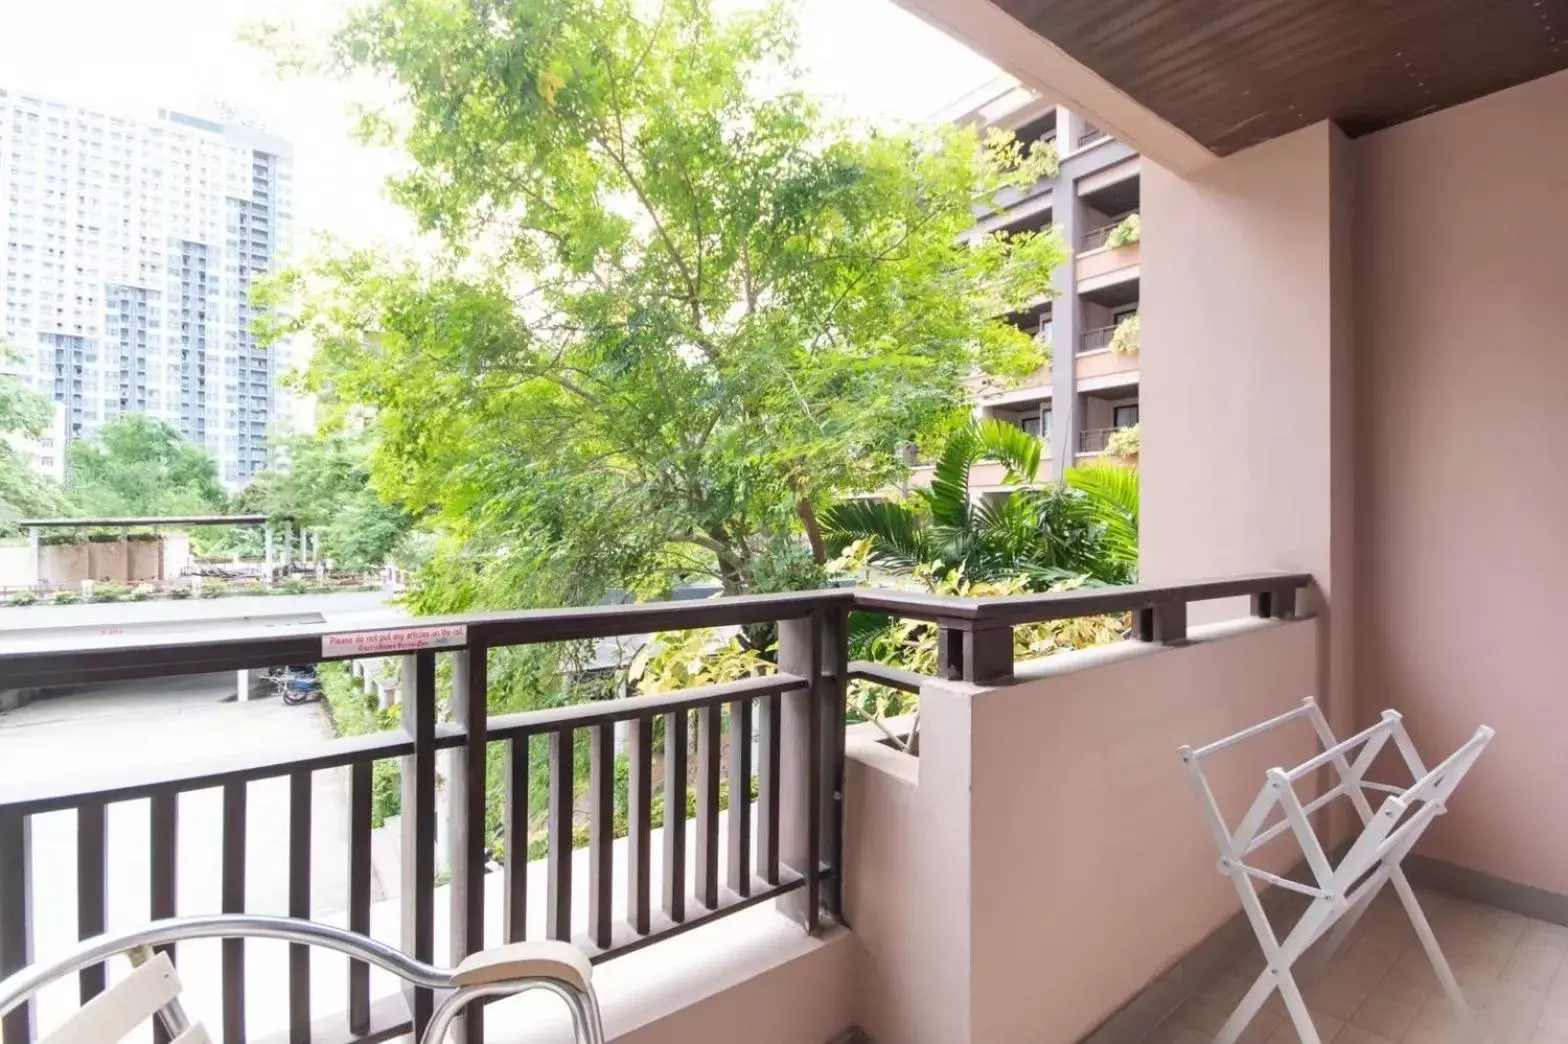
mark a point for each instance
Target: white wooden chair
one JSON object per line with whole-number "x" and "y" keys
{"x": 152, "y": 989}
{"x": 1340, "y": 893}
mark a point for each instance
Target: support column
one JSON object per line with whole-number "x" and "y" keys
{"x": 36, "y": 544}
{"x": 1247, "y": 380}
{"x": 1066, "y": 325}
{"x": 267, "y": 534}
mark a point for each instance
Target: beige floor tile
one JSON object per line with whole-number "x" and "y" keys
{"x": 1327, "y": 1027}
{"x": 1352, "y": 1034}
{"x": 1387, "y": 1014}
{"x": 1477, "y": 982}
{"x": 1206, "y": 1012}
{"x": 1172, "y": 1031}
{"x": 1260, "y": 1030}
{"x": 1434, "y": 1025}
{"x": 1336, "y": 996}
{"x": 1535, "y": 963}
{"x": 1413, "y": 968}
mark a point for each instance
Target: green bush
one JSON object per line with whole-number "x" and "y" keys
{"x": 109, "y": 593}
{"x": 66, "y": 597}
{"x": 254, "y": 587}
{"x": 22, "y": 598}
{"x": 214, "y": 589}
{"x": 1127, "y": 233}
{"x": 1125, "y": 341}
{"x": 143, "y": 592}
{"x": 180, "y": 592}
{"x": 296, "y": 585}
{"x": 354, "y": 713}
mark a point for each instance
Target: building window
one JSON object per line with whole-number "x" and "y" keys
{"x": 1125, "y": 416}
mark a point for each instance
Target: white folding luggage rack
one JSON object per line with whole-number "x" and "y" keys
{"x": 1340, "y": 893}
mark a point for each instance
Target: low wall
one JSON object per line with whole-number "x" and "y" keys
{"x": 107, "y": 561}
{"x": 144, "y": 560}
{"x": 18, "y": 565}
{"x": 63, "y": 564}
{"x": 1047, "y": 859}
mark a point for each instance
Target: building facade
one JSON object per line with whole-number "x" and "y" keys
{"x": 128, "y": 250}
{"x": 1089, "y": 389}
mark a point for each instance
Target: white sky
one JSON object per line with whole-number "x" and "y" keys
{"x": 869, "y": 58}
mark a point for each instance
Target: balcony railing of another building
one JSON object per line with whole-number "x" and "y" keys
{"x": 1094, "y": 440}
{"x": 788, "y": 844}
{"x": 1090, "y": 134}
{"x": 1097, "y": 339}
{"x": 1096, "y": 237}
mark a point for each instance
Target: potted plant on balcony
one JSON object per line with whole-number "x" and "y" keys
{"x": 1126, "y": 233}
{"x": 1124, "y": 341}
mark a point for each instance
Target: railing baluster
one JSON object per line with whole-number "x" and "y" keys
{"x": 709, "y": 731}
{"x": 558, "y": 907}
{"x": 234, "y": 795}
{"x": 601, "y": 832}
{"x": 16, "y": 915}
{"x": 739, "y": 813}
{"x": 466, "y": 816}
{"x": 419, "y": 824}
{"x": 769, "y": 734}
{"x": 361, "y": 779}
{"x": 800, "y": 653}
{"x": 639, "y": 794}
{"x": 91, "y": 887}
{"x": 165, "y": 811}
{"x": 514, "y": 906}
{"x": 675, "y": 816}
{"x": 299, "y": 903}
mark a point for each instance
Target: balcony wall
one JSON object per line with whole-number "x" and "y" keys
{"x": 1103, "y": 364}
{"x": 985, "y": 474}
{"x": 1097, "y": 263}
{"x": 1460, "y": 577}
{"x": 1045, "y": 858}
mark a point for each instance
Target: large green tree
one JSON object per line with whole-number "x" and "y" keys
{"x": 138, "y": 466}
{"x": 676, "y": 308}
{"x": 324, "y": 485}
{"x": 25, "y": 413}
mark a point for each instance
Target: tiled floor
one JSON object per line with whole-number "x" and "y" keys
{"x": 1380, "y": 988}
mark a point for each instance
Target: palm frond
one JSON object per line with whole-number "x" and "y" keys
{"x": 897, "y": 533}
{"x": 1111, "y": 493}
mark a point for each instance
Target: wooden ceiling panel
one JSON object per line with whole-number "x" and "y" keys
{"x": 1232, "y": 73}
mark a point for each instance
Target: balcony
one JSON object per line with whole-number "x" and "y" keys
{"x": 1099, "y": 265}
{"x": 1099, "y": 361}
{"x": 1090, "y": 134}
{"x": 809, "y": 953}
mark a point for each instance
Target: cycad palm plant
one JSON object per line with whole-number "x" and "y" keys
{"x": 1045, "y": 534}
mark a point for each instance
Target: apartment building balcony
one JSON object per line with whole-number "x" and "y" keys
{"x": 1099, "y": 265}
{"x": 1105, "y": 359}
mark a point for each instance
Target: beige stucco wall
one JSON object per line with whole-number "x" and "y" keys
{"x": 62, "y": 563}
{"x": 107, "y": 561}
{"x": 1098, "y": 364}
{"x": 1248, "y": 441}
{"x": 1462, "y": 247}
{"x": 1097, "y": 263}
{"x": 1046, "y": 858}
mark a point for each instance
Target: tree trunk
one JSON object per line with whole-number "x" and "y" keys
{"x": 808, "y": 515}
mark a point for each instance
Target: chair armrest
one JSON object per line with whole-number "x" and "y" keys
{"x": 542, "y": 959}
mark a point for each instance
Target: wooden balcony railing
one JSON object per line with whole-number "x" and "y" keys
{"x": 789, "y": 843}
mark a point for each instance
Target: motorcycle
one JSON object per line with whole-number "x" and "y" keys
{"x": 296, "y": 684}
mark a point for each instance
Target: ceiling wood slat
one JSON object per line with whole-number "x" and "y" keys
{"x": 1231, "y": 73}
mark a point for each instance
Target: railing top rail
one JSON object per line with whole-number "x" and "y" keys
{"x": 104, "y": 658}
{"x": 985, "y": 613}
{"x": 78, "y": 660}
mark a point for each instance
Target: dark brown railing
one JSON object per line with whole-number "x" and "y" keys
{"x": 1094, "y": 440}
{"x": 1096, "y": 339}
{"x": 793, "y": 847}
{"x": 1097, "y": 237}
{"x": 1090, "y": 134}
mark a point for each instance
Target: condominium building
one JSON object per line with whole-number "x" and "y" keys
{"x": 1089, "y": 389}
{"x": 128, "y": 250}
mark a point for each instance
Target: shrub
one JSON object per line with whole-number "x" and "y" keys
{"x": 1123, "y": 442}
{"x": 1127, "y": 233}
{"x": 1125, "y": 340}
{"x": 66, "y": 598}
{"x": 109, "y": 593}
{"x": 142, "y": 592}
{"x": 179, "y": 592}
{"x": 296, "y": 585}
{"x": 22, "y": 598}
{"x": 254, "y": 587}
{"x": 214, "y": 589}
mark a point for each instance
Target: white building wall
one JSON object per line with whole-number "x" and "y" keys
{"x": 128, "y": 247}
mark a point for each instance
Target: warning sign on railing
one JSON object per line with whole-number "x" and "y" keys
{"x": 406, "y": 639}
